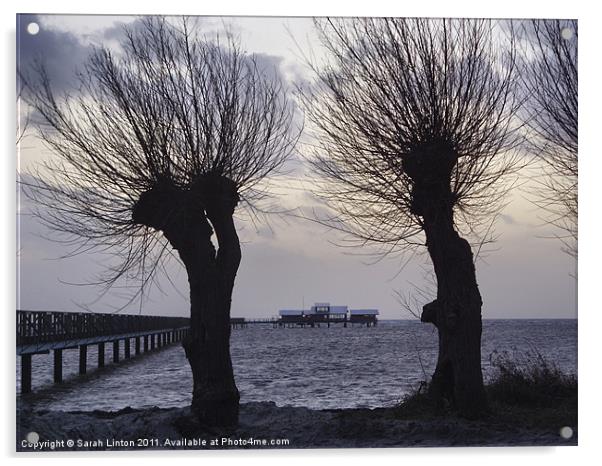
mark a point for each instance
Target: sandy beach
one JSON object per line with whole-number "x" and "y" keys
{"x": 265, "y": 425}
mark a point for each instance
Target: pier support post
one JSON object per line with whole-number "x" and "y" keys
{"x": 146, "y": 343}
{"x": 152, "y": 342}
{"x": 126, "y": 348}
{"x": 101, "y": 354}
{"x": 58, "y": 366}
{"x": 116, "y": 351}
{"x": 26, "y": 373}
{"x": 137, "y": 346}
{"x": 83, "y": 359}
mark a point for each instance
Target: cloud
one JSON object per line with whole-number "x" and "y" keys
{"x": 290, "y": 259}
{"x": 62, "y": 53}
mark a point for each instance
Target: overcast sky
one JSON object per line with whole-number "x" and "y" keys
{"x": 288, "y": 263}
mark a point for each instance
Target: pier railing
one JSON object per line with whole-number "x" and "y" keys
{"x": 34, "y": 327}
{"x": 39, "y": 332}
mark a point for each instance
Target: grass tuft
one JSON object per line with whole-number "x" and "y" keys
{"x": 525, "y": 389}
{"x": 528, "y": 379}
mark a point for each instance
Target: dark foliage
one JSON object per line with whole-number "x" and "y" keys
{"x": 525, "y": 389}
{"x": 529, "y": 380}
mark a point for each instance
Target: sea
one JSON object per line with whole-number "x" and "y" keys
{"x": 319, "y": 368}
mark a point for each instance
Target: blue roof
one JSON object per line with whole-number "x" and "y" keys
{"x": 290, "y": 312}
{"x": 332, "y": 310}
{"x": 364, "y": 312}
{"x": 338, "y": 309}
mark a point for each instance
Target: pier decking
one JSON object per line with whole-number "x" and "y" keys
{"x": 302, "y": 320}
{"x": 39, "y": 332}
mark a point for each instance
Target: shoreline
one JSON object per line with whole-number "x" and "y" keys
{"x": 265, "y": 425}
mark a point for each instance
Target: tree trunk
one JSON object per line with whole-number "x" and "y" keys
{"x": 215, "y": 397}
{"x": 457, "y": 310}
{"x": 457, "y": 315}
{"x": 183, "y": 217}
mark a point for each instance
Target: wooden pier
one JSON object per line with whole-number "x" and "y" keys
{"x": 312, "y": 321}
{"x": 317, "y": 321}
{"x": 39, "y": 332}
{"x": 243, "y": 322}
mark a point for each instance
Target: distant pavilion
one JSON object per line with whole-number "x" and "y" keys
{"x": 325, "y": 313}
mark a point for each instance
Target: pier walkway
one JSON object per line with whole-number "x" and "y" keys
{"x": 39, "y": 332}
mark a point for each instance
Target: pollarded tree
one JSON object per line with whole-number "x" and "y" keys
{"x": 414, "y": 126}
{"x": 551, "y": 82}
{"x": 164, "y": 141}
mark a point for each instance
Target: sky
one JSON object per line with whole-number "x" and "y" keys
{"x": 288, "y": 262}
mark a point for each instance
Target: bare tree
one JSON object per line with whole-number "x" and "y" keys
{"x": 415, "y": 134}
{"x": 22, "y": 118}
{"x": 164, "y": 141}
{"x": 551, "y": 82}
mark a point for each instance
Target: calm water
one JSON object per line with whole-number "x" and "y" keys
{"x": 319, "y": 368}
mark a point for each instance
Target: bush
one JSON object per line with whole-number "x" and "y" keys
{"x": 416, "y": 404}
{"x": 528, "y": 379}
{"x": 525, "y": 389}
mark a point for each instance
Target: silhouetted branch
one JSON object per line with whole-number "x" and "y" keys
{"x": 395, "y": 86}
{"x": 169, "y": 109}
{"x": 551, "y": 82}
